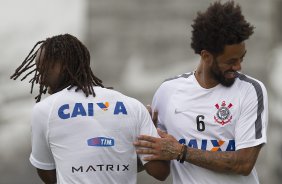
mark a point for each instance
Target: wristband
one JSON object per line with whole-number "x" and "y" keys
{"x": 180, "y": 153}
{"x": 184, "y": 154}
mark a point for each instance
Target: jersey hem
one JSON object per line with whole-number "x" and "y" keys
{"x": 250, "y": 144}
{"x": 41, "y": 165}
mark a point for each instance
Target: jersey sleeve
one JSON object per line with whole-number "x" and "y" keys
{"x": 41, "y": 155}
{"x": 252, "y": 124}
{"x": 159, "y": 105}
{"x": 147, "y": 126}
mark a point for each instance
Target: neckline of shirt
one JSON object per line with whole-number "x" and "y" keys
{"x": 199, "y": 86}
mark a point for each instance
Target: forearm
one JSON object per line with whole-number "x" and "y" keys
{"x": 237, "y": 162}
{"x": 158, "y": 169}
{"x": 47, "y": 176}
{"x": 168, "y": 148}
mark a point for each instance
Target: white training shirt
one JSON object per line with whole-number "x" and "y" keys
{"x": 89, "y": 140}
{"x": 216, "y": 119}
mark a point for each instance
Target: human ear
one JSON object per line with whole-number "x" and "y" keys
{"x": 207, "y": 57}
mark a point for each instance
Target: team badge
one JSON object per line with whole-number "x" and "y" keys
{"x": 223, "y": 115}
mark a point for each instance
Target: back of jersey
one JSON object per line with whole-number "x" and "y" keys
{"x": 91, "y": 138}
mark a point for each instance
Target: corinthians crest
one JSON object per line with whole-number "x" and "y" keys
{"x": 223, "y": 115}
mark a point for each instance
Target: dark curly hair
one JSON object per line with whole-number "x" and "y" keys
{"x": 72, "y": 55}
{"x": 218, "y": 26}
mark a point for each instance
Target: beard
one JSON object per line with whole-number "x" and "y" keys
{"x": 220, "y": 76}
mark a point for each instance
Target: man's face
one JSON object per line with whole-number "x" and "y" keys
{"x": 53, "y": 76}
{"x": 225, "y": 66}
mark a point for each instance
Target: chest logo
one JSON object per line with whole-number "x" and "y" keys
{"x": 223, "y": 115}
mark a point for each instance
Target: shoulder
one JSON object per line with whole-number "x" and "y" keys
{"x": 47, "y": 103}
{"x": 117, "y": 96}
{"x": 177, "y": 82}
{"x": 132, "y": 106}
{"x": 181, "y": 76}
{"x": 129, "y": 100}
{"x": 250, "y": 83}
{"x": 251, "y": 89}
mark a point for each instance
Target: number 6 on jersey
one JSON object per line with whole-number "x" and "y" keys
{"x": 200, "y": 123}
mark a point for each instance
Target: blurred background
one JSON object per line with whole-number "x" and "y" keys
{"x": 135, "y": 45}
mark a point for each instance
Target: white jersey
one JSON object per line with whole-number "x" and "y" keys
{"x": 216, "y": 119}
{"x": 89, "y": 140}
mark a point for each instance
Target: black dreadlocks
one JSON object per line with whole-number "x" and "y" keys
{"x": 74, "y": 58}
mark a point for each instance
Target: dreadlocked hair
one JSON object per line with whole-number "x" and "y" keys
{"x": 74, "y": 58}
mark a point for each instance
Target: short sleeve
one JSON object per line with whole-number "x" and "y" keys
{"x": 147, "y": 126}
{"x": 158, "y": 104}
{"x": 41, "y": 155}
{"x": 252, "y": 124}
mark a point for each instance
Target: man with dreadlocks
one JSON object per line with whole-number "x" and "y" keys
{"x": 216, "y": 117}
{"x": 83, "y": 132}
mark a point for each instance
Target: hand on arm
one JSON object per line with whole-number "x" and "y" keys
{"x": 167, "y": 148}
{"x": 47, "y": 176}
{"x": 164, "y": 148}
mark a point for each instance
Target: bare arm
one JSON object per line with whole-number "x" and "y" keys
{"x": 167, "y": 148}
{"x": 240, "y": 162}
{"x": 47, "y": 176}
{"x": 158, "y": 169}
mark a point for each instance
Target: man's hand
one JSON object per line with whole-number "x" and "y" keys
{"x": 167, "y": 147}
{"x": 154, "y": 115}
{"x": 164, "y": 148}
